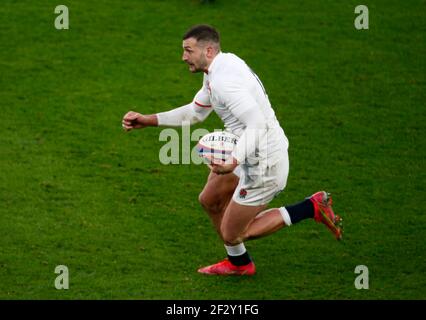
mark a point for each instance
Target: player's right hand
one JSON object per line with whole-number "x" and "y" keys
{"x": 133, "y": 120}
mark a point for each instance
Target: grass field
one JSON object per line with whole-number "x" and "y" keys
{"x": 76, "y": 190}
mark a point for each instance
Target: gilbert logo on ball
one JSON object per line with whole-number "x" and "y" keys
{"x": 217, "y": 145}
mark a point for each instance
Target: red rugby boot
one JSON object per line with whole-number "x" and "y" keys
{"x": 324, "y": 213}
{"x": 226, "y": 268}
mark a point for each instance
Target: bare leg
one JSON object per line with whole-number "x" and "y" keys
{"x": 242, "y": 223}
{"x": 216, "y": 196}
{"x": 236, "y": 221}
{"x": 265, "y": 223}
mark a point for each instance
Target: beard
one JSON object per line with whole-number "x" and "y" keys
{"x": 198, "y": 66}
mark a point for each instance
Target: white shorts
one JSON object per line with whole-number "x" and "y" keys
{"x": 259, "y": 184}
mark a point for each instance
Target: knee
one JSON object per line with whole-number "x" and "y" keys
{"x": 209, "y": 203}
{"x": 203, "y": 199}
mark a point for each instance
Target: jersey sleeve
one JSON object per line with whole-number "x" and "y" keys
{"x": 194, "y": 112}
{"x": 202, "y": 98}
{"x": 245, "y": 108}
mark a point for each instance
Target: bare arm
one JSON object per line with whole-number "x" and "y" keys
{"x": 194, "y": 112}
{"x": 135, "y": 120}
{"x": 187, "y": 114}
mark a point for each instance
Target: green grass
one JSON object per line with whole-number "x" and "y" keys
{"x": 76, "y": 190}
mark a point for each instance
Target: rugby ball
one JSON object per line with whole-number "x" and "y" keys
{"x": 217, "y": 145}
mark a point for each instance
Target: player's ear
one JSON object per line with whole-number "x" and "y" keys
{"x": 209, "y": 51}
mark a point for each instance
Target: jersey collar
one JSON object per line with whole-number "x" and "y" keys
{"x": 214, "y": 62}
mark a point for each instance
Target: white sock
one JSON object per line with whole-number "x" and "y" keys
{"x": 286, "y": 216}
{"x": 236, "y": 250}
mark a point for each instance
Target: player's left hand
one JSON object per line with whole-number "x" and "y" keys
{"x": 222, "y": 167}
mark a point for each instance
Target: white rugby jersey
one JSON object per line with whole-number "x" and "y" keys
{"x": 236, "y": 94}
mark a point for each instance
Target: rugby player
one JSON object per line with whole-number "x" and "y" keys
{"x": 237, "y": 193}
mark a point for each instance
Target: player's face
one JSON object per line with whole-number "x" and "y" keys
{"x": 194, "y": 54}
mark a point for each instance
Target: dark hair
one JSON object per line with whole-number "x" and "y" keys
{"x": 202, "y": 32}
